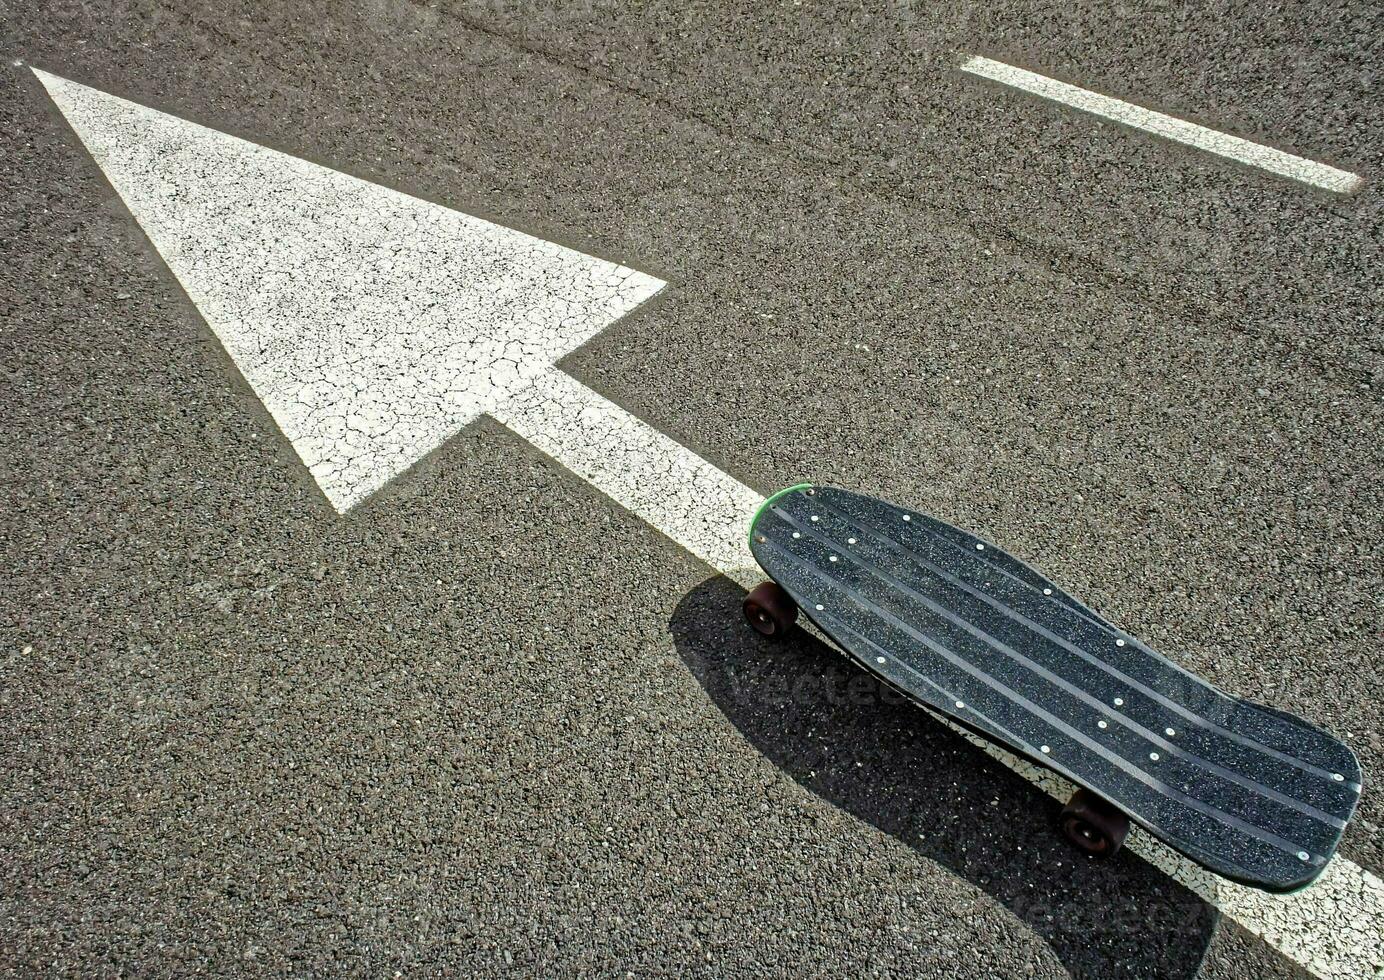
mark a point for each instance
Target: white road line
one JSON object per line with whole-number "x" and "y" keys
{"x": 354, "y": 373}
{"x": 669, "y": 486}
{"x": 1169, "y": 127}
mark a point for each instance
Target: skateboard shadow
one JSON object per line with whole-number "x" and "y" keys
{"x": 860, "y": 746}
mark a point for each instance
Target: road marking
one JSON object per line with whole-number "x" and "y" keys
{"x": 1169, "y": 127}
{"x": 373, "y": 325}
{"x": 256, "y": 263}
{"x": 666, "y": 484}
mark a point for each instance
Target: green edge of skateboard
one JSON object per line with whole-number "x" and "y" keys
{"x": 769, "y": 502}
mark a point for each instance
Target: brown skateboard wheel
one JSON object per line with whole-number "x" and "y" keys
{"x": 770, "y": 609}
{"x": 1093, "y": 824}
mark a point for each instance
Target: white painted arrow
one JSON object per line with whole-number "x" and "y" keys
{"x": 375, "y": 325}
{"x": 372, "y": 324}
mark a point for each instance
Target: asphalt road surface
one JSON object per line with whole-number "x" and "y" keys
{"x": 487, "y": 720}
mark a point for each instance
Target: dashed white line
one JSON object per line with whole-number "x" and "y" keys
{"x": 1169, "y": 127}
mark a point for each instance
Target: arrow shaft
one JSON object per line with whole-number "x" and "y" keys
{"x": 664, "y": 483}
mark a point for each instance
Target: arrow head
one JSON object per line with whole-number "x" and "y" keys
{"x": 372, "y": 324}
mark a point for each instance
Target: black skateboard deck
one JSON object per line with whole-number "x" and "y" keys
{"x": 1252, "y": 793}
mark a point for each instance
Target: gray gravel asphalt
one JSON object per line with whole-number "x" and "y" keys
{"x": 488, "y": 722}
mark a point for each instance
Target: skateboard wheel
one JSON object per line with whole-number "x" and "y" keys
{"x": 1093, "y": 824}
{"x": 770, "y": 609}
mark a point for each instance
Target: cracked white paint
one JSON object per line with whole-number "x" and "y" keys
{"x": 670, "y": 487}
{"x": 374, "y": 325}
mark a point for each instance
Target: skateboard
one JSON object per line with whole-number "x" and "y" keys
{"x": 959, "y": 626}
